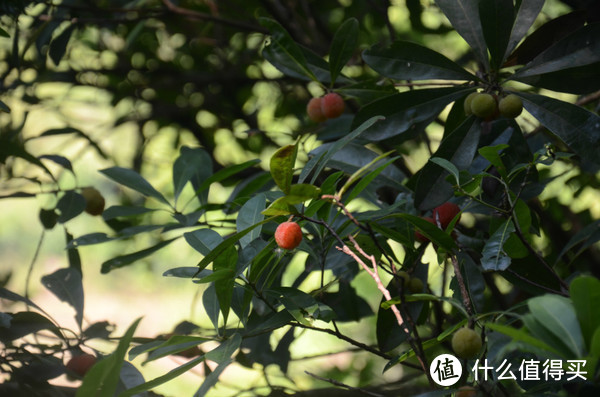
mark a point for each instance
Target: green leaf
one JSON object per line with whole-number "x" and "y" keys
{"x": 133, "y": 180}
{"x": 280, "y": 207}
{"x": 58, "y": 46}
{"x": 575, "y": 126}
{"x": 228, "y": 242}
{"x": 210, "y": 302}
{"x": 79, "y": 133}
{"x": 192, "y": 162}
{"x": 464, "y": 17}
{"x": 578, "y": 80}
{"x": 118, "y": 211}
{"x": 66, "y": 284}
{"x": 250, "y": 214}
{"x": 577, "y": 49}
{"x": 431, "y": 231}
{"x": 585, "y": 294}
{"x": 225, "y": 350}
{"x": 494, "y": 256}
{"x": 225, "y": 263}
{"x": 365, "y": 181}
{"x": 557, "y": 315}
{"x": 26, "y": 323}
{"x": 102, "y": 379}
{"x": 172, "y": 374}
{"x": 546, "y": 35}
{"x": 448, "y": 166}
{"x": 595, "y": 344}
{"x": 527, "y": 13}
{"x": 318, "y": 163}
{"x": 283, "y": 52}
{"x": 4, "y": 33}
{"x": 520, "y": 335}
{"x": 70, "y": 205}
{"x": 124, "y": 260}
{"x": 212, "y": 378}
{"x": 404, "y": 60}
{"x": 406, "y": 110}
{"x": 60, "y": 160}
{"x": 459, "y": 148}
{"x": 174, "y": 345}
{"x": 12, "y": 296}
{"x": 203, "y": 240}
{"x": 342, "y": 47}
{"x": 497, "y": 17}
{"x": 587, "y": 236}
{"x": 4, "y": 107}
{"x": 282, "y": 166}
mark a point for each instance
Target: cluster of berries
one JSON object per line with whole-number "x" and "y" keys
{"x": 326, "y": 107}
{"x": 489, "y": 106}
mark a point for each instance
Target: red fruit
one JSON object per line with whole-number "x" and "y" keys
{"x": 313, "y": 109}
{"x": 419, "y": 236}
{"x": 81, "y": 364}
{"x": 288, "y": 235}
{"x": 445, "y": 213}
{"x": 332, "y": 105}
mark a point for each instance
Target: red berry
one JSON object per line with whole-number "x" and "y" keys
{"x": 419, "y": 236}
{"x": 288, "y": 235}
{"x": 445, "y": 213}
{"x": 332, "y": 105}
{"x": 313, "y": 109}
{"x": 81, "y": 364}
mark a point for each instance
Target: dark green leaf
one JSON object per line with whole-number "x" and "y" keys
{"x": 497, "y": 18}
{"x": 342, "y": 46}
{"x": 318, "y": 163}
{"x": 404, "y": 60}
{"x": 66, "y": 284}
{"x": 133, "y": 180}
{"x": 117, "y": 211}
{"x": 280, "y": 207}
{"x": 282, "y": 166}
{"x": 12, "y": 296}
{"x": 4, "y": 33}
{"x": 225, "y": 263}
{"x": 249, "y": 214}
{"x": 58, "y": 45}
{"x": 405, "y": 110}
{"x": 520, "y": 335}
{"x": 527, "y": 12}
{"x": 557, "y": 315}
{"x": 174, "y": 345}
{"x": 575, "y": 126}
{"x": 124, "y": 260}
{"x": 577, "y": 49}
{"x": 579, "y": 80}
{"x": 585, "y": 294}
{"x": 545, "y": 36}
{"x": 70, "y": 205}
{"x": 71, "y": 130}
{"x": 587, "y": 236}
{"x": 48, "y": 218}
{"x": 494, "y": 257}
{"x": 464, "y": 17}
{"x": 210, "y": 302}
{"x": 25, "y": 323}
{"x": 459, "y": 148}
{"x": 203, "y": 240}
{"x": 212, "y": 378}
{"x": 60, "y": 160}
{"x": 283, "y": 52}
{"x": 192, "y": 162}
{"x": 73, "y": 253}
{"x": 431, "y": 231}
{"x": 225, "y": 350}
{"x": 4, "y": 107}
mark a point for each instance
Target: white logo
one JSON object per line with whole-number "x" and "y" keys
{"x": 445, "y": 370}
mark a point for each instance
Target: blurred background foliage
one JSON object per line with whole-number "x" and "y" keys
{"x": 90, "y": 85}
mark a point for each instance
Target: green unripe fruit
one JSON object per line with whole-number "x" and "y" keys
{"x": 483, "y": 105}
{"x": 405, "y": 277}
{"x": 467, "y": 103}
{"x": 415, "y": 285}
{"x": 466, "y": 343}
{"x": 510, "y": 106}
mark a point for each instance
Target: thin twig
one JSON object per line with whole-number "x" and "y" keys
{"x": 345, "y": 386}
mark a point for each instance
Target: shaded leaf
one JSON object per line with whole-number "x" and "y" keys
{"x": 585, "y": 295}
{"x": 60, "y": 160}
{"x": 494, "y": 256}
{"x": 192, "y": 162}
{"x": 203, "y": 240}
{"x": 249, "y": 214}
{"x": 282, "y": 166}
{"x": 26, "y": 323}
{"x": 133, "y": 180}
{"x": 342, "y": 46}
{"x": 66, "y": 284}
{"x": 58, "y": 45}
{"x": 575, "y": 126}
{"x": 70, "y": 205}
{"x": 404, "y": 111}
{"x": 497, "y": 17}
{"x": 124, "y": 260}
{"x": 404, "y": 60}
{"x": 526, "y": 13}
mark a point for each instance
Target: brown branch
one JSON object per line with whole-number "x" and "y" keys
{"x": 191, "y": 14}
{"x": 463, "y": 288}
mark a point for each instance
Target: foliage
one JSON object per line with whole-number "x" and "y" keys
{"x": 519, "y": 266}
